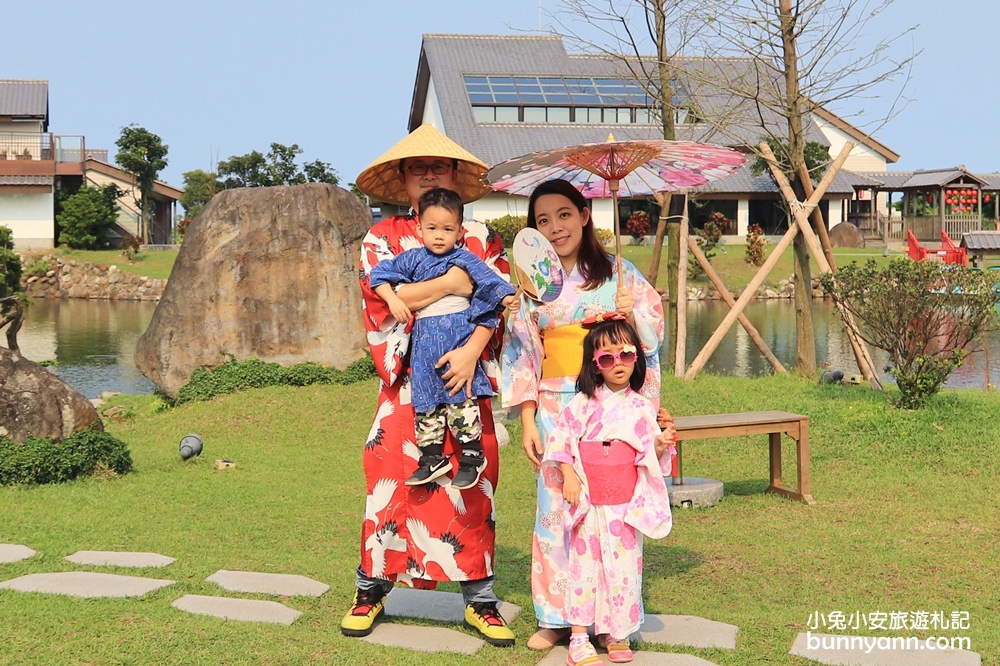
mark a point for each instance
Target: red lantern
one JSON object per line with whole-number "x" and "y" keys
{"x": 986, "y": 198}
{"x": 930, "y": 198}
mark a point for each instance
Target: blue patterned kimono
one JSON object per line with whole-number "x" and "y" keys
{"x": 436, "y": 334}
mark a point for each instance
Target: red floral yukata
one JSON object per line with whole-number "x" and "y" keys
{"x": 417, "y": 535}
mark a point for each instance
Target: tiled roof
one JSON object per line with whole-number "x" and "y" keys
{"x": 930, "y": 178}
{"x": 981, "y": 240}
{"x": 451, "y": 57}
{"x": 26, "y": 98}
{"x": 744, "y": 182}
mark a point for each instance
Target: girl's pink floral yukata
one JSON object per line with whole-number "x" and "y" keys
{"x": 605, "y": 540}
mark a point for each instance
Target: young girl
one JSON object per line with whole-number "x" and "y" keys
{"x": 605, "y": 441}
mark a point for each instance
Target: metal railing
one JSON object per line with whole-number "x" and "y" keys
{"x": 46, "y": 146}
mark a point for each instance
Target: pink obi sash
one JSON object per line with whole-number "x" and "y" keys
{"x": 610, "y": 469}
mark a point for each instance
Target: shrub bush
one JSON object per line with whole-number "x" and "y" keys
{"x": 605, "y": 236}
{"x": 233, "y": 375}
{"x": 756, "y": 243}
{"x": 508, "y": 226}
{"x": 39, "y": 461}
{"x": 10, "y": 264}
{"x": 708, "y": 238}
{"x": 87, "y": 216}
{"x": 637, "y": 226}
{"x": 926, "y": 315}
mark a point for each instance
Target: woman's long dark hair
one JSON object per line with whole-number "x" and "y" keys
{"x": 594, "y": 262}
{"x": 616, "y": 332}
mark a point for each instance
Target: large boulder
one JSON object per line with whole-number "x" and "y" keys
{"x": 33, "y": 401}
{"x": 264, "y": 272}
{"x": 846, "y": 234}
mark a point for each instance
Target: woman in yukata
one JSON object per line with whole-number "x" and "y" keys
{"x": 540, "y": 364}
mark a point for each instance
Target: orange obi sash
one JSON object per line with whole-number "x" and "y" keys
{"x": 563, "y": 347}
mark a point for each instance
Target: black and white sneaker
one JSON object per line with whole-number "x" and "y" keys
{"x": 430, "y": 467}
{"x": 470, "y": 467}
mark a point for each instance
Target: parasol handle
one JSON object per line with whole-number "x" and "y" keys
{"x": 613, "y": 187}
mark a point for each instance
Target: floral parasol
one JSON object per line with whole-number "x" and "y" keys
{"x": 618, "y": 168}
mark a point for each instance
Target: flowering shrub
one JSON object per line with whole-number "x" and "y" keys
{"x": 756, "y": 242}
{"x": 605, "y": 236}
{"x": 708, "y": 237}
{"x": 716, "y": 225}
{"x": 638, "y": 224}
{"x": 927, "y": 317}
{"x": 183, "y": 225}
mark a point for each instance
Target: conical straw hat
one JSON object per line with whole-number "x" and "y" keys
{"x": 381, "y": 179}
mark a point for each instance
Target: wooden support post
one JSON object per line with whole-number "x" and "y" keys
{"x": 798, "y": 209}
{"x": 751, "y": 290}
{"x": 682, "y": 270}
{"x": 730, "y": 301}
{"x": 817, "y": 217}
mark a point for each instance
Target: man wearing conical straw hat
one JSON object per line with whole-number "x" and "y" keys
{"x": 421, "y": 534}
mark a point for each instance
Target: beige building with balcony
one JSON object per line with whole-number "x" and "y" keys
{"x": 35, "y": 163}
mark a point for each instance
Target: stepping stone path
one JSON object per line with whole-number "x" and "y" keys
{"x": 86, "y": 584}
{"x": 268, "y": 583}
{"x": 13, "y": 553}
{"x": 557, "y": 657}
{"x": 118, "y": 559}
{"x": 243, "y": 610}
{"x": 674, "y": 630}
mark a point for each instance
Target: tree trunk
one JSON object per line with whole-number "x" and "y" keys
{"x": 805, "y": 347}
{"x": 670, "y": 309}
{"x": 663, "y": 200}
{"x": 805, "y": 335}
{"x": 672, "y": 229}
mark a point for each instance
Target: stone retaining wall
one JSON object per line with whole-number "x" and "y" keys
{"x": 77, "y": 279}
{"x": 784, "y": 289}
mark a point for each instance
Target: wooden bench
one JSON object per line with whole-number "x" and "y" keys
{"x": 774, "y": 424}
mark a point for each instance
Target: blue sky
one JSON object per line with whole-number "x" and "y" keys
{"x": 218, "y": 78}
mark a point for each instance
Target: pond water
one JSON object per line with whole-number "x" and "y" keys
{"x": 93, "y": 342}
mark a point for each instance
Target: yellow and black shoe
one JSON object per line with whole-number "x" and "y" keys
{"x": 368, "y": 606}
{"x": 486, "y": 619}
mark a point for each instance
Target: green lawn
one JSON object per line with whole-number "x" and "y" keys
{"x": 906, "y": 521}
{"x": 149, "y": 263}
{"x": 735, "y": 273}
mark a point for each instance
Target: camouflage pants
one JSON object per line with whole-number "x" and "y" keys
{"x": 463, "y": 420}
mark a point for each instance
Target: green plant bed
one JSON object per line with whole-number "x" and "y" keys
{"x": 233, "y": 375}
{"x": 84, "y": 453}
{"x": 905, "y": 522}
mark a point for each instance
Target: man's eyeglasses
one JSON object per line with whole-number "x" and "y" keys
{"x": 607, "y": 360}
{"x": 438, "y": 169}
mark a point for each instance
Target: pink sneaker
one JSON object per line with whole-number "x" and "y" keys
{"x": 582, "y": 655}
{"x": 619, "y": 650}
